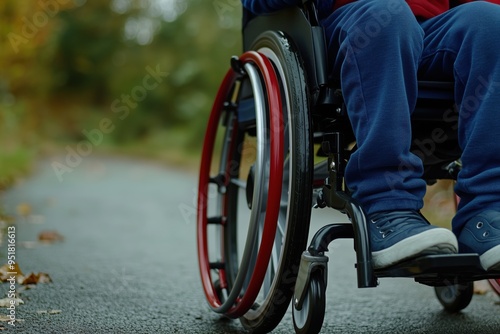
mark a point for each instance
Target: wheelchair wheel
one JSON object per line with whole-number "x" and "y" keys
{"x": 242, "y": 155}
{"x": 295, "y": 204}
{"x": 309, "y": 319}
{"x": 455, "y": 297}
{"x": 250, "y": 175}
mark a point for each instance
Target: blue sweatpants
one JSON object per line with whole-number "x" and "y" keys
{"x": 378, "y": 49}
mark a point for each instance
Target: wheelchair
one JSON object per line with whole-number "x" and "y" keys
{"x": 276, "y": 145}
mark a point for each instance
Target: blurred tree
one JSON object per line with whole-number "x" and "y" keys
{"x": 66, "y": 64}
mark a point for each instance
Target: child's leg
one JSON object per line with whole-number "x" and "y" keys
{"x": 375, "y": 48}
{"x": 463, "y": 44}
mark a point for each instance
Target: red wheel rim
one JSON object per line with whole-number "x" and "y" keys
{"x": 204, "y": 177}
{"x": 495, "y": 284}
{"x": 272, "y": 88}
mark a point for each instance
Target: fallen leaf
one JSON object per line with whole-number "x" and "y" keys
{"x": 24, "y": 209}
{"x": 32, "y": 278}
{"x": 6, "y": 302}
{"x": 50, "y": 236}
{"x": 6, "y": 272}
{"x": 35, "y": 279}
{"x": 44, "y": 278}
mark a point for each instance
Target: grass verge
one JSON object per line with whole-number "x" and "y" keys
{"x": 14, "y": 164}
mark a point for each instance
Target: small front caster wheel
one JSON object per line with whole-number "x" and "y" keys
{"x": 455, "y": 297}
{"x": 309, "y": 319}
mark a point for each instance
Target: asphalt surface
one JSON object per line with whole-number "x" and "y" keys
{"x": 128, "y": 262}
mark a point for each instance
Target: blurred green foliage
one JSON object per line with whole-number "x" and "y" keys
{"x": 68, "y": 64}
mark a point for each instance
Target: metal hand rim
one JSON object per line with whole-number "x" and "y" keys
{"x": 232, "y": 307}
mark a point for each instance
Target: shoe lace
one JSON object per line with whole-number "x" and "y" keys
{"x": 387, "y": 222}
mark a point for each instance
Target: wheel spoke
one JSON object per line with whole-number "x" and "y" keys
{"x": 218, "y": 220}
{"x": 239, "y": 183}
{"x": 278, "y": 242}
{"x": 268, "y": 279}
{"x": 217, "y": 265}
{"x": 280, "y": 232}
{"x": 218, "y": 180}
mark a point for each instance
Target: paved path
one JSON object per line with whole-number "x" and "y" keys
{"x": 128, "y": 263}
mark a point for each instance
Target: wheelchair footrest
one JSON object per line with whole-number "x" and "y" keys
{"x": 438, "y": 270}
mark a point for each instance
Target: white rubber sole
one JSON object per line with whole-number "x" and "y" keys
{"x": 491, "y": 259}
{"x": 433, "y": 241}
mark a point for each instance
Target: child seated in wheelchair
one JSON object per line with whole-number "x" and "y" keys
{"x": 377, "y": 50}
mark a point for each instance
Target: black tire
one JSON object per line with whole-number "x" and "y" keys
{"x": 309, "y": 319}
{"x": 455, "y": 297}
{"x": 295, "y": 208}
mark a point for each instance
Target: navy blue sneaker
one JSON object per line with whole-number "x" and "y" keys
{"x": 400, "y": 235}
{"x": 481, "y": 235}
